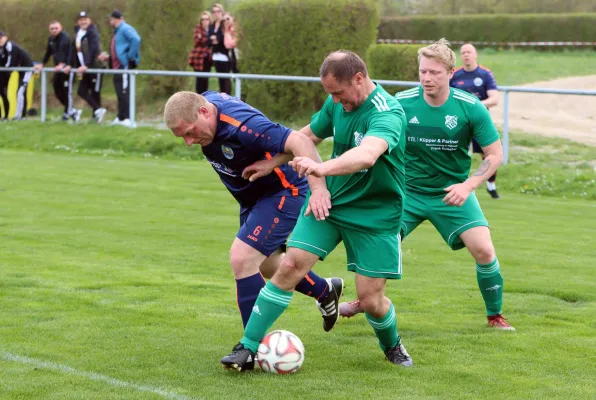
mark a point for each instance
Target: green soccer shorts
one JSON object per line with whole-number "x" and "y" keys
{"x": 450, "y": 221}
{"x": 370, "y": 254}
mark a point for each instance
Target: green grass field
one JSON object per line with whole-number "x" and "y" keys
{"x": 115, "y": 283}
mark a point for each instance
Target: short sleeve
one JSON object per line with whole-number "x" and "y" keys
{"x": 388, "y": 126}
{"x": 321, "y": 123}
{"x": 258, "y": 133}
{"x": 484, "y": 129}
{"x": 491, "y": 83}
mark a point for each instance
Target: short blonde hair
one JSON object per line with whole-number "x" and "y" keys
{"x": 182, "y": 106}
{"x": 439, "y": 51}
{"x": 218, "y": 5}
{"x": 205, "y": 14}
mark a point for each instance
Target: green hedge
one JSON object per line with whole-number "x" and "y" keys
{"x": 292, "y": 37}
{"x": 166, "y": 29}
{"x": 398, "y": 62}
{"x": 495, "y": 27}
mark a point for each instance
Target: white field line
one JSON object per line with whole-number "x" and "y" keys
{"x": 91, "y": 375}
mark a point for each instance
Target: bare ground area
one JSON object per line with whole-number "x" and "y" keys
{"x": 570, "y": 117}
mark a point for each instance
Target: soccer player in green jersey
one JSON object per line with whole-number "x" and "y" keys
{"x": 365, "y": 183}
{"x": 441, "y": 123}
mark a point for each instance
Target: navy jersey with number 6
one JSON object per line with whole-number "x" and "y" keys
{"x": 244, "y": 135}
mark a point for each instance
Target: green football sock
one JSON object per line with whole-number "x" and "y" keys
{"x": 490, "y": 282}
{"x": 270, "y": 304}
{"x": 385, "y": 328}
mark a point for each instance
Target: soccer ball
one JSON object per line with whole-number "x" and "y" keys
{"x": 280, "y": 352}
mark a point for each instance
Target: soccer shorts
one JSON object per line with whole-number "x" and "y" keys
{"x": 450, "y": 221}
{"x": 369, "y": 254}
{"x": 267, "y": 225}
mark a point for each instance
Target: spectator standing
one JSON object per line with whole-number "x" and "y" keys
{"x": 58, "y": 48}
{"x": 479, "y": 81}
{"x": 200, "y": 56}
{"x": 221, "y": 59}
{"x": 84, "y": 53}
{"x": 125, "y": 55}
{"x": 13, "y": 55}
{"x": 230, "y": 39}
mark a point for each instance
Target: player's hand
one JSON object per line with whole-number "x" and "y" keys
{"x": 66, "y": 69}
{"x": 319, "y": 204}
{"x": 457, "y": 194}
{"x": 59, "y": 67}
{"x": 81, "y": 69}
{"x": 258, "y": 170}
{"x": 37, "y": 67}
{"x": 305, "y": 166}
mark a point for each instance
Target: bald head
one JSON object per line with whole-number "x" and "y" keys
{"x": 469, "y": 55}
{"x": 343, "y": 65}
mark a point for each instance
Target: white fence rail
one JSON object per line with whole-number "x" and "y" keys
{"x": 238, "y": 78}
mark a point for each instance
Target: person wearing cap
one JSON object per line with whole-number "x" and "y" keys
{"x": 13, "y": 55}
{"x": 58, "y": 48}
{"x": 124, "y": 54}
{"x": 83, "y": 55}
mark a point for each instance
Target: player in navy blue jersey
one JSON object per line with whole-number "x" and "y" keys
{"x": 479, "y": 81}
{"x": 234, "y": 136}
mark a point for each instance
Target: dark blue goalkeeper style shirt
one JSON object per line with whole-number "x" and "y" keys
{"x": 477, "y": 82}
{"x": 244, "y": 135}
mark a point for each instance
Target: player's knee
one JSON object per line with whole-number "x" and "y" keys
{"x": 242, "y": 266}
{"x": 484, "y": 254}
{"x": 372, "y": 303}
{"x": 288, "y": 263}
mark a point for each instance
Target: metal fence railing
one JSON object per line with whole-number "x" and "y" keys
{"x": 238, "y": 78}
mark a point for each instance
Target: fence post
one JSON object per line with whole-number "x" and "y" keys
{"x": 132, "y": 97}
{"x": 505, "y": 127}
{"x": 238, "y": 87}
{"x": 44, "y": 95}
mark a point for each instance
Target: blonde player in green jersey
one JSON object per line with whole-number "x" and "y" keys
{"x": 441, "y": 123}
{"x": 366, "y": 184}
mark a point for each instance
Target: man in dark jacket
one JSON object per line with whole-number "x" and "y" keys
{"x": 13, "y": 55}
{"x": 83, "y": 55}
{"x": 59, "y": 49}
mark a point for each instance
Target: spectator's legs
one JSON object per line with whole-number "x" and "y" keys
{"x": 122, "y": 91}
{"x": 225, "y": 85}
{"x": 4, "y": 77}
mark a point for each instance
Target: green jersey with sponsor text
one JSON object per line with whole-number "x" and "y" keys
{"x": 370, "y": 200}
{"x": 438, "y": 138}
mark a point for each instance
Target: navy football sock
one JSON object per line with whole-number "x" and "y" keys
{"x": 247, "y": 291}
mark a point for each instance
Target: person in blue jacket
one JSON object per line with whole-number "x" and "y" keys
{"x": 124, "y": 54}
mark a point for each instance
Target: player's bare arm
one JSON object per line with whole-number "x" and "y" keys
{"x": 458, "y": 194}
{"x": 310, "y": 134}
{"x": 351, "y": 162}
{"x": 492, "y": 100}
{"x": 265, "y": 167}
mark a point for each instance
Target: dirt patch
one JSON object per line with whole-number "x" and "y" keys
{"x": 555, "y": 115}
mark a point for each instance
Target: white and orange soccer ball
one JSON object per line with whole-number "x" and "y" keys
{"x": 280, "y": 352}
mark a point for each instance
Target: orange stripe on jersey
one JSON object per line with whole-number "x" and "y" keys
{"x": 309, "y": 280}
{"x": 484, "y": 68}
{"x": 281, "y": 202}
{"x": 457, "y": 69}
{"x": 229, "y": 120}
{"x": 282, "y": 177}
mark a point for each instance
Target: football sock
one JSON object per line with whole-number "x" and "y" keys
{"x": 385, "y": 328}
{"x": 247, "y": 291}
{"x": 491, "y": 185}
{"x": 270, "y": 304}
{"x": 490, "y": 282}
{"x": 314, "y": 286}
